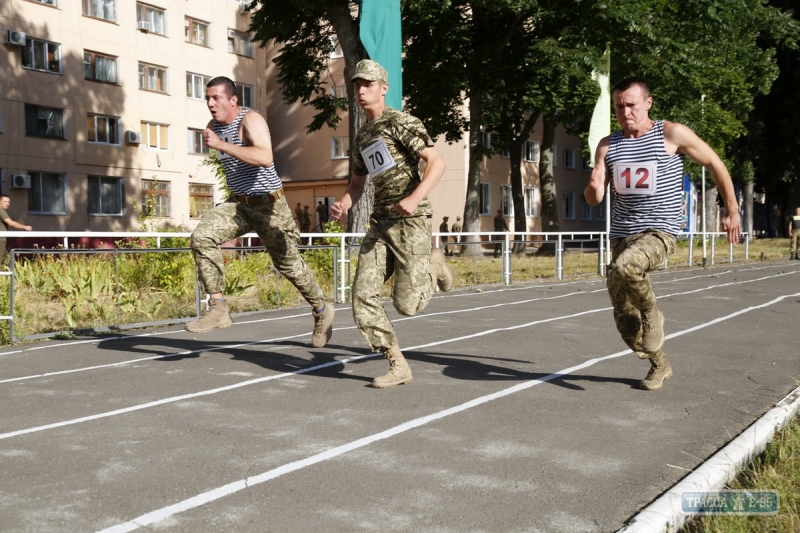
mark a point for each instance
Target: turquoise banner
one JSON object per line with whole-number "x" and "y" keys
{"x": 381, "y": 35}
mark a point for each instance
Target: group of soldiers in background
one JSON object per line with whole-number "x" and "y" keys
{"x": 303, "y": 217}
{"x": 456, "y": 228}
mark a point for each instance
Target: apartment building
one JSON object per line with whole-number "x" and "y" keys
{"x": 102, "y": 108}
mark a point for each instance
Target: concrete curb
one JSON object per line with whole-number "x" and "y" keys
{"x": 665, "y": 515}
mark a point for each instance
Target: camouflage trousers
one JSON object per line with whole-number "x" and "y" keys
{"x": 794, "y": 241}
{"x": 628, "y": 283}
{"x": 275, "y": 227}
{"x": 399, "y": 246}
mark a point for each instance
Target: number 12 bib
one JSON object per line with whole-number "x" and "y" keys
{"x": 635, "y": 178}
{"x": 377, "y": 158}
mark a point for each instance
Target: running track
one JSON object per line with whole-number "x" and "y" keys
{"x": 524, "y": 414}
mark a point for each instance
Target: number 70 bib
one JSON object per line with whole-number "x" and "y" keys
{"x": 635, "y": 178}
{"x": 377, "y": 158}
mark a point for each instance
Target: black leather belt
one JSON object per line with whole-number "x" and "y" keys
{"x": 269, "y": 198}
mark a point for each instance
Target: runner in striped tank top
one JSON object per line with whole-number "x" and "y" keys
{"x": 242, "y": 141}
{"x": 643, "y": 163}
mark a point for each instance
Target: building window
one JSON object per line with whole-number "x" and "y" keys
{"x": 568, "y": 206}
{"x": 569, "y": 158}
{"x": 201, "y": 199}
{"x": 48, "y": 2}
{"x": 601, "y": 210}
{"x": 244, "y": 94}
{"x": 105, "y": 195}
{"x": 485, "y": 199}
{"x": 555, "y": 155}
{"x": 506, "y": 201}
{"x": 531, "y": 152}
{"x": 486, "y": 139}
{"x": 152, "y": 78}
{"x": 154, "y": 16}
{"x": 102, "y": 129}
{"x": 585, "y": 165}
{"x": 155, "y": 198}
{"x": 98, "y": 67}
{"x": 47, "y": 194}
{"x": 196, "y": 85}
{"x": 340, "y": 147}
{"x": 196, "y": 144}
{"x": 336, "y": 47}
{"x": 196, "y": 32}
{"x": 338, "y": 91}
{"x": 41, "y": 55}
{"x": 155, "y": 136}
{"x": 44, "y": 121}
{"x": 531, "y": 202}
{"x": 504, "y": 153}
{"x": 239, "y": 43}
{"x": 586, "y": 209}
{"x": 101, "y": 9}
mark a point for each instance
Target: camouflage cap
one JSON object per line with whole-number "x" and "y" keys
{"x": 458, "y": 218}
{"x": 370, "y": 70}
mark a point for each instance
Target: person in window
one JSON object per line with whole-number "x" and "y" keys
{"x": 389, "y": 148}
{"x": 242, "y": 140}
{"x": 643, "y": 162}
{"x": 7, "y": 222}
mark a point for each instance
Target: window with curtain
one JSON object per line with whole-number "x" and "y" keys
{"x": 196, "y": 144}
{"x": 155, "y": 198}
{"x": 196, "y": 32}
{"x": 196, "y": 85}
{"x": 240, "y": 43}
{"x": 99, "y": 67}
{"x": 531, "y": 152}
{"x": 155, "y": 136}
{"x": 531, "y": 202}
{"x": 48, "y": 194}
{"x": 152, "y": 78}
{"x": 506, "y": 201}
{"x": 105, "y": 195}
{"x": 244, "y": 94}
{"x": 201, "y": 199}
{"x": 155, "y": 16}
{"x": 485, "y": 199}
{"x": 101, "y": 9}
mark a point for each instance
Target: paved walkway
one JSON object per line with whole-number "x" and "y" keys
{"x": 524, "y": 414}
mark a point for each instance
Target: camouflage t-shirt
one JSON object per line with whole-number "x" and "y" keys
{"x": 388, "y": 151}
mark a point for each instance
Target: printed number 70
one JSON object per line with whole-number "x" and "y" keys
{"x": 642, "y": 183}
{"x": 377, "y": 157}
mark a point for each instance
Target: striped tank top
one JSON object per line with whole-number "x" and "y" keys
{"x": 647, "y": 183}
{"x": 243, "y": 178}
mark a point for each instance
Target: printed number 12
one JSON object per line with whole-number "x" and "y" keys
{"x": 642, "y": 183}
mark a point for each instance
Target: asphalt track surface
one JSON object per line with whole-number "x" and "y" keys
{"x": 524, "y": 414}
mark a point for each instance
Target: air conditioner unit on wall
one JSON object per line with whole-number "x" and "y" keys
{"x": 15, "y": 38}
{"x": 231, "y": 34}
{"x": 20, "y": 181}
{"x": 133, "y": 137}
{"x": 144, "y": 25}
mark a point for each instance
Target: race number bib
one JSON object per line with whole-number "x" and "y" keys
{"x": 223, "y": 155}
{"x": 378, "y": 158}
{"x": 635, "y": 178}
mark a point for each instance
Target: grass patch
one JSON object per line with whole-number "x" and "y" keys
{"x": 778, "y": 468}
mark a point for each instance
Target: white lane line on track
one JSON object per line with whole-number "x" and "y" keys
{"x": 402, "y": 319}
{"x": 342, "y": 362}
{"x": 236, "y": 486}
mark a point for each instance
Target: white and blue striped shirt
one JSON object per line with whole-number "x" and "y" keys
{"x": 635, "y": 213}
{"x": 243, "y": 178}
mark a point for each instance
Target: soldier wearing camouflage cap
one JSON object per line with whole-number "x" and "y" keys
{"x": 389, "y": 148}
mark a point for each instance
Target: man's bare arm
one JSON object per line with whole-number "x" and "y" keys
{"x": 598, "y": 181}
{"x": 255, "y": 131}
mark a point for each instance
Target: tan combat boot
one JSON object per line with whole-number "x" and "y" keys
{"x": 440, "y": 271}
{"x": 652, "y": 331}
{"x": 218, "y": 316}
{"x": 323, "y": 326}
{"x": 660, "y": 371}
{"x": 399, "y": 371}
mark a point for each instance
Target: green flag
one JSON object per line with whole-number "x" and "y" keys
{"x": 382, "y": 37}
{"x": 601, "y": 118}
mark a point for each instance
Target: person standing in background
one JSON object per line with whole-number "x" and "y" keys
{"x": 7, "y": 222}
